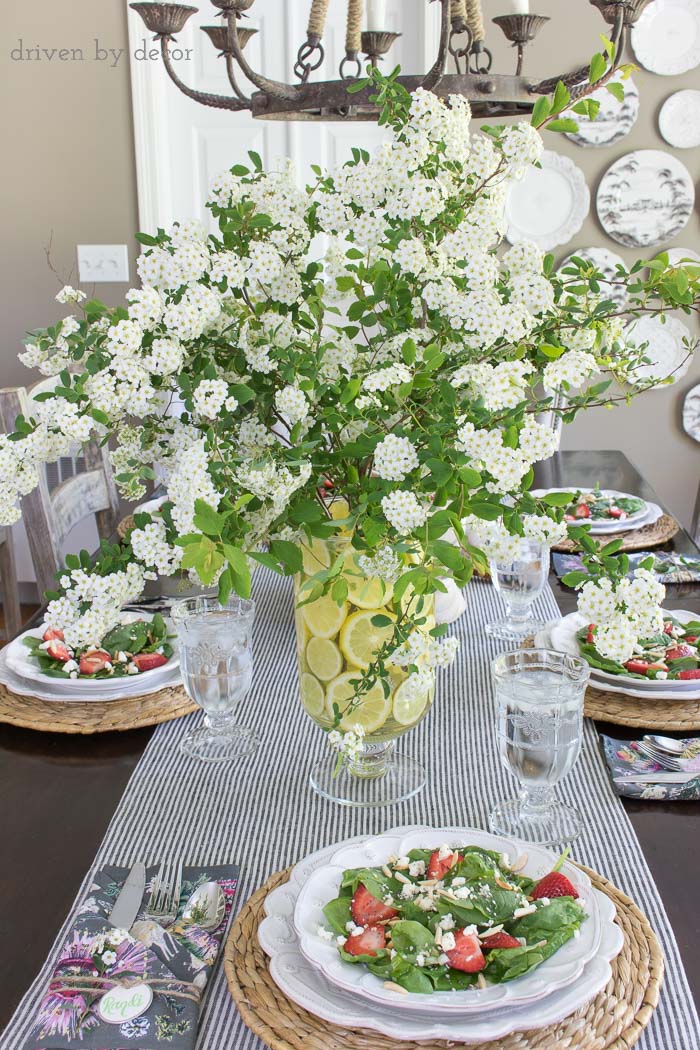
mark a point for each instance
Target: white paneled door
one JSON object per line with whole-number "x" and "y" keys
{"x": 181, "y": 145}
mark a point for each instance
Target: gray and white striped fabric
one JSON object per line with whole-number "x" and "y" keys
{"x": 262, "y": 814}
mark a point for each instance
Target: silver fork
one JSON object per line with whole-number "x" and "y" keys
{"x": 164, "y": 898}
{"x": 664, "y": 760}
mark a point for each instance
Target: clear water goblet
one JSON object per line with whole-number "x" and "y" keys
{"x": 539, "y": 702}
{"x": 216, "y": 662}
{"x": 519, "y": 581}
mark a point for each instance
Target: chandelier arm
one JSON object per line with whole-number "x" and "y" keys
{"x": 205, "y": 97}
{"x": 231, "y": 71}
{"x": 617, "y": 37}
{"x": 270, "y": 87}
{"x": 435, "y": 75}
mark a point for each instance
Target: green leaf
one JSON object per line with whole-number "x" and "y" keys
{"x": 617, "y": 90}
{"x": 558, "y": 499}
{"x": 540, "y": 112}
{"x": 561, "y": 99}
{"x": 208, "y": 520}
{"x": 255, "y": 157}
{"x": 240, "y": 572}
{"x": 289, "y": 554}
{"x": 145, "y": 238}
{"x": 563, "y": 124}
{"x": 552, "y": 352}
{"x": 597, "y": 69}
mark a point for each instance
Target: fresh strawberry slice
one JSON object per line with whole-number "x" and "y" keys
{"x": 439, "y": 866}
{"x": 466, "y": 955}
{"x": 668, "y": 627}
{"x": 679, "y": 651}
{"x": 691, "y": 673}
{"x": 50, "y": 633}
{"x": 58, "y": 651}
{"x": 500, "y": 940}
{"x": 582, "y": 511}
{"x": 591, "y": 631}
{"x": 692, "y": 638}
{"x": 369, "y": 942}
{"x": 553, "y": 885}
{"x": 617, "y": 512}
{"x": 147, "y": 661}
{"x": 637, "y": 666}
{"x": 368, "y": 910}
{"x": 93, "y": 661}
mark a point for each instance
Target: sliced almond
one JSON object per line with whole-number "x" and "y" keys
{"x": 504, "y": 885}
{"x": 491, "y": 930}
{"x": 481, "y": 981}
{"x": 520, "y": 862}
{"x": 392, "y": 987}
{"x": 402, "y": 878}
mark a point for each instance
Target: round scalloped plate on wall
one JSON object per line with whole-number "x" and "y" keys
{"x": 645, "y": 198}
{"x": 679, "y": 119}
{"x": 607, "y": 262}
{"x": 614, "y": 120}
{"x": 549, "y": 204}
{"x": 666, "y": 39}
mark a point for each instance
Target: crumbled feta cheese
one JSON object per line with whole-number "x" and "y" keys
{"x": 426, "y": 904}
{"x": 73, "y": 674}
{"x": 352, "y": 929}
{"x": 661, "y": 676}
{"x": 420, "y": 959}
{"x": 447, "y": 922}
{"x": 447, "y": 941}
{"x": 121, "y": 657}
{"x": 325, "y": 934}
{"x": 132, "y": 669}
{"x": 463, "y": 893}
{"x": 519, "y": 913}
{"x": 408, "y": 891}
{"x": 469, "y": 930}
{"x": 544, "y": 901}
{"x": 485, "y": 890}
{"x": 340, "y": 940}
{"x": 388, "y": 899}
{"x": 402, "y": 863}
{"x": 444, "y": 852}
{"x": 459, "y": 881}
{"x": 416, "y": 868}
{"x": 443, "y": 959}
{"x": 70, "y": 665}
{"x": 392, "y": 953}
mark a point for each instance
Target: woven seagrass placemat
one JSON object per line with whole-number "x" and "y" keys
{"x": 94, "y": 716}
{"x": 614, "y": 1020}
{"x": 124, "y": 525}
{"x": 654, "y": 535}
{"x": 642, "y": 714}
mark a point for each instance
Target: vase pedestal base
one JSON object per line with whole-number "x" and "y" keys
{"x": 373, "y": 780}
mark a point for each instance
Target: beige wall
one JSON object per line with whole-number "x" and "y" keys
{"x": 69, "y": 168}
{"x": 68, "y": 159}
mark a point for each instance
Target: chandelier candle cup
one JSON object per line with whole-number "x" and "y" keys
{"x": 349, "y": 680}
{"x": 216, "y": 659}
{"x": 519, "y": 579}
{"x": 539, "y": 704}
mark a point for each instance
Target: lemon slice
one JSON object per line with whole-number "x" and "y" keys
{"x": 324, "y": 617}
{"x": 324, "y": 659}
{"x": 360, "y": 639}
{"x": 312, "y": 696}
{"x": 408, "y": 708}
{"x": 371, "y": 712}
{"x": 315, "y": 556}
{"x": 339, "y": 508}
{"x": 364, "y": 592}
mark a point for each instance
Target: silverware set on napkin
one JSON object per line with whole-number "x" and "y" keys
{"x": 666, "y": 752}
{"x": 205, "y": 906}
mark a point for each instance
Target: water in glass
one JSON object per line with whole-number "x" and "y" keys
{"x": 519, "y": 581}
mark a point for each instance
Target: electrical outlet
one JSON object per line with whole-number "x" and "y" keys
{"x": 103, "y": 262}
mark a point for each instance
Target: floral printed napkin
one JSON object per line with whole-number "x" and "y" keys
{"x": 624, "y": 759}
{"x": 175, "y": 964}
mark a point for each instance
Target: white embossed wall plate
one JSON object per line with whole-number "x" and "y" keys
{"x": 666, "y": 38}
{"x": 607, "y": 262}
{"x": 614, "y": 119}
{"x": 691, "y": 413}
{"x": 679, "y": 119}
{"x": 549, "y": 204}
{"x": 645, "y": 198}
{"x": 667, "y": 354}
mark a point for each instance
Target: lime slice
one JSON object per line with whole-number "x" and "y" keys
{"x": 324, "y": 659}
{"x": 315, "y": 556}
{"x": 324, "y": 617}
{"x": 360, "y": 639}
{"x": 408, "y": 708}
{"x": 371, "y": 712}
{"x": 312, "y": 696}
{"x": 364, "y": 592}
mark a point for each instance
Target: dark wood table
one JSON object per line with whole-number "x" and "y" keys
{"x": 59, "y": 792}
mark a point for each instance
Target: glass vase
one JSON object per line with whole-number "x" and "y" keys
{"x": 337, "y": 641}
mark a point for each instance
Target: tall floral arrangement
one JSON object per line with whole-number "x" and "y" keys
{"x": 357, "y": 356}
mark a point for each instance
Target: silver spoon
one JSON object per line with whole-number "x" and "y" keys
{"x": 206, "y": 906}
{"x": 666, "y": 743}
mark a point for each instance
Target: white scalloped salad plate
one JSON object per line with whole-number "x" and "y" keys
{"x": 556, "y": 972}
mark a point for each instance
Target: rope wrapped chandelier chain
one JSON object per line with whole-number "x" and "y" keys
{"x": 462, "y": 65}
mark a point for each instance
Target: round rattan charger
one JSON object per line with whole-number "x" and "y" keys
{"x": 614, "y": 1020}
{"x": 654, "y": 535}
{"x": 93, "y": 716}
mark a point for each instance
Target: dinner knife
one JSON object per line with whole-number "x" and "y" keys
{"x": 126, "y": 906}
{"x": 657, "y": 778}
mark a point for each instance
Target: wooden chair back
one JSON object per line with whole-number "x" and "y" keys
{"x": 50, "y": 515}
{"x": 9, "y": 588}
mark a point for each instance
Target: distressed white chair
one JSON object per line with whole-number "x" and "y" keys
{"x": 9, "y": 586}
{"x": 50, "y": 513}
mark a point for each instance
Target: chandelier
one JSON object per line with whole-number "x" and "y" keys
{"x": 368, "y": 40}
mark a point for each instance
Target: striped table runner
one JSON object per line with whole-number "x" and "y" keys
{"x": 262, "y": 814}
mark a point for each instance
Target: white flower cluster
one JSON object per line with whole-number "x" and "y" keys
{"x": 104, "y": 597}
{"x": 394, "y": 458}
{"x": 623, "y": 614}
{"x": 383, "y": 565}
{"x": 68, "y": 294}
{"x": 503, "y": 546}
{"x": 349, "y": 744}
{"x": 151, "y": 547}
{"x": 404, "y": 511}
{"x": 291, "y": 403}
{"x": 386, "y": 378}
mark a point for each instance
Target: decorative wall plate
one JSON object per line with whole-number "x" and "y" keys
{"x": 677, "y": 256}
{"x": 679, "y": 119}
{"x": 691, "y": 413}
{"x": 614, "y": 120}
{"x": 605, "y": 261}
{"x": 645, "y": 198}
{"x": 549, "y": 204}
{"x": 668, "y": 356}
{"x": 666, "y": 39}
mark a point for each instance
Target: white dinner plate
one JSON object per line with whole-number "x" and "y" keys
{"x": 558, "y": 971}
{"x": 666, "y": 349}
{"x": 305, "y": 985}
{"x": 614, "y": 119}
{"x": 19, "y": 660}
{"x": 666, "y": 37}
{"x": 602, "y": 527}
{"x": 549, "y": 204}
{"x": 606, "y": 262}
{"x": 645, "y": 198}
{"x": 563, "y": 639}
{"x": 679, "y": 119}
{"x": 691, "y": 413}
